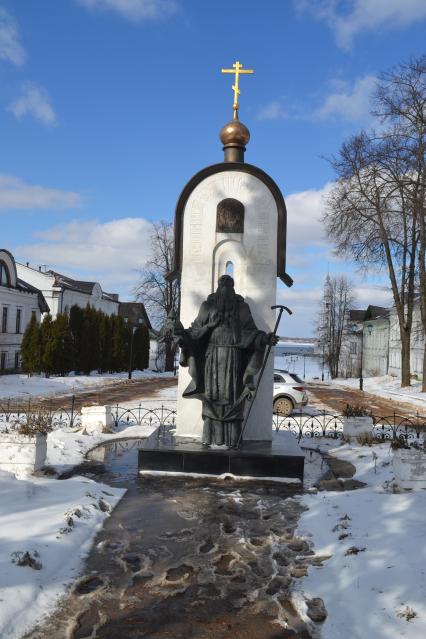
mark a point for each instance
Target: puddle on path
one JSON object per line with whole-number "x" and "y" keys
{"x": 186, "y": 559}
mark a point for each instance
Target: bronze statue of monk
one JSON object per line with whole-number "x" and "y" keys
{"x": 224, "y": 350}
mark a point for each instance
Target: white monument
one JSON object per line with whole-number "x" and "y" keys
{"x": 230, "y": 219}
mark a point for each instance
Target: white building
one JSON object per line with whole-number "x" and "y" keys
{"x": 62, "y": 292}
{"x": 376, "y": 347}
{"x": 19, "y": 300}
{"x": 367, "y": 330}
{"x": 416, "y": 345}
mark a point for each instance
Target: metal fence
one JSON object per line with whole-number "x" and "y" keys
{"x": 13, "y": 414}
{"x": 301, "y": 424}
{"x": 324, "y": 424}
{"x": 68, "y": 417}
{"x": 142, "y": 416}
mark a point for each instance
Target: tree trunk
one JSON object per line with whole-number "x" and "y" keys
{"x": 424, "y": 369}
{"x": 170, "y": 357}
{"x": 405, "y": 359}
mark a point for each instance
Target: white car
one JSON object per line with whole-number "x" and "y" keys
{"x": 289, "y": 392}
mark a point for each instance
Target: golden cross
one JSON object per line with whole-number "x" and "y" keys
{"x": 237, "y": 69}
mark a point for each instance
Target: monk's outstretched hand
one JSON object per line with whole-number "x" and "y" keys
{"x": 270, "y": 339}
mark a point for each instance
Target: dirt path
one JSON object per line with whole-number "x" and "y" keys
{"x": 112, "y": 393}
{"x": 337, "y": 398}
{"x": 188, "y": 559}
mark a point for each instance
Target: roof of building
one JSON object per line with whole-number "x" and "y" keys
{"x": 370, "y": 313}
{"x": 28, "y": 288}
{"x": 81, "y": 286}
{"x": 134, "y": 310}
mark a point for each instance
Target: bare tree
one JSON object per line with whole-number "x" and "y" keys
{"x": 370, "y": 218}
{"x": 400, "y": 103}
{"x": 160, "y": 296}
{"x": 338, "y": 299}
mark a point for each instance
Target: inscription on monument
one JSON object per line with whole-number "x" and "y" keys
{"x": 195, "y": 225}
{"x": 263, "y": 238}
{"x": 230, "y": 216}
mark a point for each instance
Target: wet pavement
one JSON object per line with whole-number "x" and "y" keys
{"x": 187, "y": 558}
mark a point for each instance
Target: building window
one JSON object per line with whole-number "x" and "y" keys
{"x": 18, "y": 319}
{"x": 16, "y": 359}
{"x": 4, "y": 320}
{"x": 3, "y": 361}
{"x": 353, "y": 348}
{"x": 33, "y": 314}
{"x": 4, "y": 274}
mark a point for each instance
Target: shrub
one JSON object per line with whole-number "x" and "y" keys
{"x": 355, "y": 410}
{"x": 36, "y": 423}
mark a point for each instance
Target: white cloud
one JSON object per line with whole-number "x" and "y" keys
{"x": 16, "y": 194}
{"x": 305, "y": 301}
{"x": 273, "y": 111}
{"x": 108, "y": 252}
{"x": 135, "y": 10}
{"x": 347, "y": 19}
{"x": 304, "y": 212}
{"x": 10, "y": 47}
{"x": 349, "y": 103}
{"x": 304, "y": 304}
{"x": 33, "y": 101}
{"x": 374, "y": 294}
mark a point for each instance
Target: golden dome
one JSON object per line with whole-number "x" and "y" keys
{"x": 235, "y": 133}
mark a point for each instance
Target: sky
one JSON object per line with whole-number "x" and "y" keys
{"x": 108, "y": 107}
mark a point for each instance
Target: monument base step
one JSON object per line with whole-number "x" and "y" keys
{"x": 281, "y": 458}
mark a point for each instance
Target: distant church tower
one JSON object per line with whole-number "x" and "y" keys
{"x": 230, "y": 218}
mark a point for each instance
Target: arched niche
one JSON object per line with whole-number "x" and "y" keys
{"x": 230, "y": 254}
{"x": 230, "y": 216}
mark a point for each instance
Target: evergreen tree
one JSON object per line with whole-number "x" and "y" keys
{"x": 76, "y": 327}
{"x": 31, "y": 347}
{"x": 47, "y": 345}
{"x": 62, "y": 346}
{"x": 105, "y": 342}
{"x": 141, "y": 348}
{"x": 90, "y": 344}
{"x": 119, "y": 340}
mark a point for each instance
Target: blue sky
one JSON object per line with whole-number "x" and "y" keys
{"x": 108, "y": 107}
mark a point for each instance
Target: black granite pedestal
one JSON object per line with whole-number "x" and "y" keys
{"x": 282, "y": 457}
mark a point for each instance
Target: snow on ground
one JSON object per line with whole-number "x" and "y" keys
{"x": 379, "y": 592}
{"x": 389, "y": 387}
{"x": 66, "y": 449}
{"x": 22, "y": 386}
{"x": 377, "y": 589}
{"x": 35, "y": 517}
{"x": 55, "y": 521}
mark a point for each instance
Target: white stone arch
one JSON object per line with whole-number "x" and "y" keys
{"x": 97, "y": 292}
{"x": 230, "y": 250}
{"x": 9, "y": 262}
